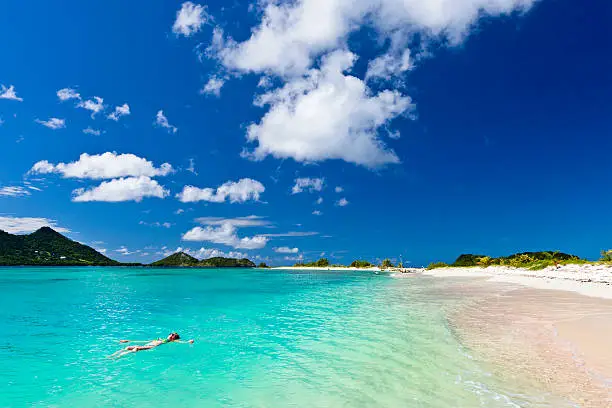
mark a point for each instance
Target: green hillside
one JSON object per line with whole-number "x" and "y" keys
{"x": 47, "y": 247}
{"x": 181, "y": 259}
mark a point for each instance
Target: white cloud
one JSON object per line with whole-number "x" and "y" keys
{"x": 13, "y": 191}
{"x": 162, "y": 121}
{"x": 179, "y": 211}
{"x": 291, "y": 35}
{"x": 238, "y": 192}
{"x": 319, "y": 200}
{"x": 264, "y": 82}
{"x": 90, "y": 131}
{"x": 191, "y": 167}
{"x": 213, "y": 86}
{"x": 119, "y": 111}
{"x": 320, "y": 112}
{"x": 124, "y": 251}
{"x": 103, "y": 166}
{"x": 189, "y": 19}
{"x": 156, "y": 224}
{"x": 317, "y": 212}
{"x": 286, "y": 250}
{"x": 65, "y": 94}
{"x": 9, "y": 93}
{"x": 52, "y": 123}
{"x": 240, "y": 222}
{"x": 225, "y": 234}
{"x": 390, "y": 64}
{"x": 327, "y": 115}
{"x": 94, "y": 105}
{"x": 343, "y": 202}
{"x": 121, "y": 189}
{"x": 292, "y": 234}
{"x": 20, "y": 225}
{"x": 206, "y": 253}
{"x": 338, "y": 189}
{"x": 310, "y": 184}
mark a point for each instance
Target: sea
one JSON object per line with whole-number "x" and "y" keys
{"x": 262, "y": 338}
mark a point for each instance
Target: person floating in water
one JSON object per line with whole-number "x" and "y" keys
{"x": 150, "y": 344}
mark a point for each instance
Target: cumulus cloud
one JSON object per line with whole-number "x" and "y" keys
{"x": 189, "y": 19}
{"x": 103, "y": 166}
{"x": 94, "y": 105}
{"x": 90, "y": 131}
{"x": 317, "y": 212}
{"x": 291, "y": 35}
{"x": 65, "y": 94}
{"x": 162, "y": 121}
{"x": 52, "y": 123}
{"x": 343, "y": 202}
{"x": 213, "y": 86}
{"x": 14, "y": 191}
{"x": 307, "y": 183}
{"x": 321, "y": 112}
{"x": 237, "y": 192}
{"x": 240, "y": 222}
{"x": 119, "y": 111}
{"x": 286, "y": 250}
{"x": 319, "y": 200}
{"x": 9, "y": 93}
{"x": 338, "y": 189}
{"x": 22, "y": 225}
{"x": 121, "y": 189}
{"x": 225, "y": 234}
{"x": 327, "y": 115}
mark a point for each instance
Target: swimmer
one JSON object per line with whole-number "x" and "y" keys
{"x": 149, "y": 344}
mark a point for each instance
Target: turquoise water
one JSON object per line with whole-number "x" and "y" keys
{"x": 262, "y": 339}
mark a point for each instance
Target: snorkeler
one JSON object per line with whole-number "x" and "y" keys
{"x": 150, "y": 344}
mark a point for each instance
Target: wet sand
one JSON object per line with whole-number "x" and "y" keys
{"x": 556, "y": 341}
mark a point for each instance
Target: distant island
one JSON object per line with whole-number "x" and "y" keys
{"x": 181, "y": 259}
{"x": 47, "y": 247}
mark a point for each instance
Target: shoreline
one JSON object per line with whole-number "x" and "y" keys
{"x": 548, "y": 329}
{"x": 327, "y": 268}
{"x": 587, "y": 280}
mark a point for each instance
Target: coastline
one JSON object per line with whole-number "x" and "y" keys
{"x": 547, "y": 328}
{"x": 327, "y": 268}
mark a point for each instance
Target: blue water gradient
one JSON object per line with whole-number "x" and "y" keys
{"x": 263, "y": 338}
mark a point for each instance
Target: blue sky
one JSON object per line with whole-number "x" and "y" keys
{"x": 428, "y": 129}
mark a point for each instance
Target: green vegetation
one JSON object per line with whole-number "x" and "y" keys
{"x": 386, "y": 264}
{"x": 606, "y": 256}
{"x": 361, "y": 264}
{"x": 262, "y": 265}
{"x": 181, "y": 259}
{"x": 435, "y": 265}
{"x": 50, "y": 248}
{"x": 529, "y": 260}
{"x": 321, "y": 263}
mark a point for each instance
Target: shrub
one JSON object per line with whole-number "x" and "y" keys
{"x": 435, "y": 265}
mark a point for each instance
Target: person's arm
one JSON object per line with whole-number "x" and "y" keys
{"x": 134, "y": 341}
{"x": 184, "y": 342}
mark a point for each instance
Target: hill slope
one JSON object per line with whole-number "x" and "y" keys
{"x": 181, "y": 259}
{"x": 47, "y": 247}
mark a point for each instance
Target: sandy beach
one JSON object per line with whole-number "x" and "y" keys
{"x": 546, "y": 328}
{"x": 328, "y": 268}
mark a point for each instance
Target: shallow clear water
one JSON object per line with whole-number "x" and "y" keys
{"x": 262, "y": 339}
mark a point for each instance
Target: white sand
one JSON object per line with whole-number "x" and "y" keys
{"x": 589, "y": 280}
{"x": 328, "y": 268}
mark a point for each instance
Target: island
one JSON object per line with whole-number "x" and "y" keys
{"x": 47, "y": 247}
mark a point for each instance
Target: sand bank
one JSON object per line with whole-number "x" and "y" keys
{"x": 555, "y": 340}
